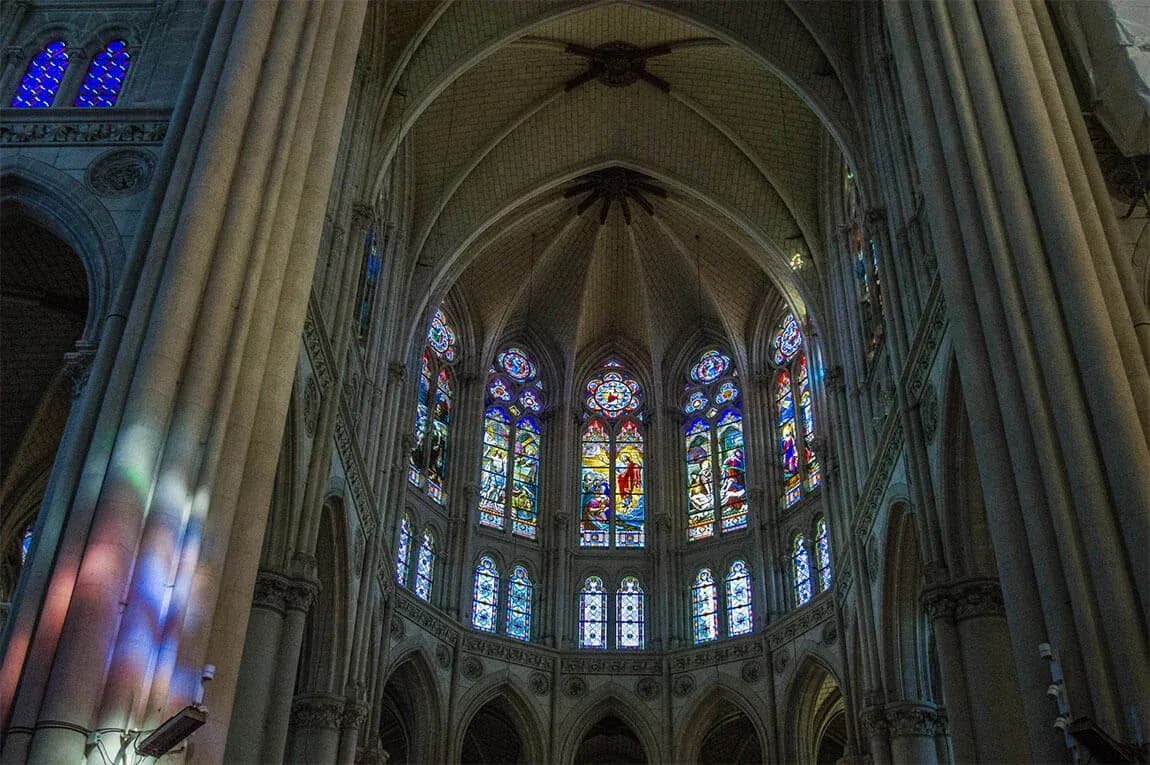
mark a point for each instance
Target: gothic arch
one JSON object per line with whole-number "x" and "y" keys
{"x": 718, "y": 706}
{"x": 512, "y": 702}
{"x": 815, "y": 711}
{"x": 608, "y": 701}
{"x": 324, "y": 652}
{"x": 904, "y": 630}
{"x": 411, "y": 693}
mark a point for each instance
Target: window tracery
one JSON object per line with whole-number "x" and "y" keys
{"x": 425, "y": 566}
{"x": 629, "y": 614}
{"x": 41, "y": 80}
{"x": 593, "y": 614}
{"x": 485, "y": 597}
{"x": 105, "y": 76}
{"x": 403, "y": 551}
{"x": 801, "y": 569}
{"x": 519, "y": 593}
{"x": 704, "y": 607}
{"x": 433, "y": 409}
{"x": 740, "y": 612}
{"x": 823, "y": 553}
{"x": 795, "y": 417}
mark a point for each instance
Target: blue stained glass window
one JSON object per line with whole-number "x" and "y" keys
{"x": 403, "y": 551}
{"x": 704, "y": 607}
{"x": 740, "y": 615}
{"x": 823, "y": 553}
{"x": 424, "y": 566}
{"x": 105, "y": 77}
{"x": 368, "y": 283}
{"x": 801, "y": 565}
{"x": 593, "y": 614}
{"x": 629, "y": 614}
{"x": 519, "y": 604}
{"x": 434, "y": 405}
{"x": 42, "y": 79}
{"x": 485, "y": 600}
{"x": 25, "y": 545}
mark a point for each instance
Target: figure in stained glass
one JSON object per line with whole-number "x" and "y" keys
{"x": 704, "y": 607}
{"x": 493, "y": 476}
{"x": 734, "y": 485}
{"x": 595, "y": 501}
{"x": 795, "y": 426}
{"x": 801, "y": 570}
{"x": 433, "y": 410}
{"x": 630, "y": 508}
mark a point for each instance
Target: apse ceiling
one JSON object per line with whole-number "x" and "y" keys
{"x": 610, "y": 170}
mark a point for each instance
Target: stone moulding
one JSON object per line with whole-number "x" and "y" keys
{"x": 513, "y": 654}
{"x": 52, "y": 127}
{"x": 799, "y": 621}
{"x": 709, "y": 657}
{"x": 423, "y": 617}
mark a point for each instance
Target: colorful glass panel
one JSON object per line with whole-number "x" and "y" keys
{"x": 704, "y": 608}
{"x": 801, "y": 566}
{"x": 630, "y": 505}
{"x": 728, "y": 392}
{"x": 42, "y": 78}
{"x": 498, "y": 390}
{"x": 531, "y": 400}
{"x": 788, "y": 443}
{"x": 807, "y": 412}
{"x": 787, "y": 341}
{"x": 525, "y": 487}
{"x": 437, "y": 447}
{"x": 421, "y": 411}
{"x": 823, "y": 553}
{"x": 424, "y": 566}
{"x": 595, "y": 492}
{"x": 733, "y": 490}
{"x": 25, "y": 545}
{"x": 493, "y": 475}
{"x": 403, "y": 552}
{"x": 710, "y": 367}
{"x": 696, "y": 400}
{"x": 105, "y": 77}
{"x": 613, "y": 393}
{"x": 441, "y": 337}
{"x": 629, "y": 614}
{"x": 485, "y": 599}
{"x": 368, "y": 282}
{"x": 516, "y": 362}
{"x": 740, "y": 614}
{"x": 700, "y": 481}
{"x": 519, "y": 604}
{"x": 593, "y": 614}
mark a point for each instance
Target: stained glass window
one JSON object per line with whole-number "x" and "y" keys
{"x": 593, "y": 614}
{"x": 801, "y": 566}
{"x": 512, "y": 435}
{"x": 485, "y": 600}
{"x": 368, "y": 283}
{"x": 823, "y": 553}
{"x": 613, "y": 508}
{"x": 629, "y": 614}
{"x": 715, "y": 456}
{"x": 704, "y": 607}
{"x": 740, "y": 614}
{"x": 794, "y": 407}
{"x": 864, "y": 264}
{"x": 403, "y": 551}
{"x": 105, "y": 77}
{"x": 433, "y": 409}
{"x": 425, "y": 566}
{"x": 519, "y": 604}
{"x": 25, "y": 545}
{"x": 42, "y": 79}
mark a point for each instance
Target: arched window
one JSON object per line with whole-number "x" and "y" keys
{"x": 864, "y": 265}
{"x": 425, "y": 566}
{"x": 368, "y": 284}
{"x": 41, "y": 80}
{"x": 519, "y": 604}
{"x": 514, "y": 402}
{"x": 105, "y": 77}
{"x": 704, "y": 607}
{"x": 713, "y": 428}
{"x": 801, "y": 567}
{"x": 433, "y": 407}
{"x": 740, "y": 614}
{"x": 485, "y": 600}
{"x": 823, "y": 553}
{"x": 403, "y": 551}
{"x": 593, "y": 614}
{"x": 796, "y": 429}
{"x": 629, "y": 614}
{"x": 612, "y": 499}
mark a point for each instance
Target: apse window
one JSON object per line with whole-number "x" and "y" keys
{"x": 41, "y": 80}
{"x": 105, "y": 76}
{"x": 795, "y": 414}
{"x": 434, "y": 405}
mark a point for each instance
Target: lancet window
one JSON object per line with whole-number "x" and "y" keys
{"x": 801, "y": 570}
{"x": 105, "y": 76}
{"x": 41, "y": 81}
{"x": 704, "y": 607}
{"x": 425, "y": 566}
{"x": 629, "y": 614}
{"x": 823, "y": 553}
{"x": 485, "y": 598}
{"x": 795, "y": 414}
{"x": 593, "y": 614}
{"x": 612, "y": 497}
{"x": 433, "y": 409}
{"x": 519, "y": 595}
{"x": 403, "y": 551}
{"x": 369, "y": 272}
{"x": 714, "y": 449}
{"x": 512, "y": 434}
{"x": 864, "y": 266}
{"x": 740, "y": 613}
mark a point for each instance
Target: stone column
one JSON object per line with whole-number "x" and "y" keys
{"x": 352, "y": 719}
{"x": 938, "y": 604}
{"x": 316, "y": 720}
{"x": 874, "y": 725}
{"x": 297, "y": 601}
{"x": 913, "y": 729}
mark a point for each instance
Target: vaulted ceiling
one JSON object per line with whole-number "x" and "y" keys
{"x": 500, "y": 108}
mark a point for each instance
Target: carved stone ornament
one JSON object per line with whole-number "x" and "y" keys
{"x": 830, "y": 633}
{"x": 928, "y": 412}
{"x": 396, "y": 628}
{"x": 540, "y": 683}
{"x": 752, "y": 671}
{"x": 121, "y": 172}
{"x": 270, "y": 592}
{"x": 780, "y": 661}
{"x": 575, "y": 687}
{"x": 318, "y": 711}
{"x": 967, "y": 599}
{"x": 300, "y": 594}
{"x": 874, "y": 722}
{"x": 682, "y": 685}
{"x": 354, "y": 714}
{"x": 647, "y": 688}
{"x": 915, "y": 720}
{"x": 472, "y": 668}
{"x": 443, "y": 656}
{"x": 311, "y": 397}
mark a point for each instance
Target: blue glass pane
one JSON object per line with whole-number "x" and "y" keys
{"x": 38, "y": 87}
{"x": 823, "y": 551}
{"x": 423, "y": 567}
{"x": 519, "y": 605}
{"x": 402, "y": 551}
{"x": 740, "y": 616}
{"x": 801, "y": 561}
{"x": 705, "y": 608}
{"x": 105, "y": 76}
{"x": 593, "y": 614}
{"x": 629, "y": 614}
{"x": 25, "y": 545}
{"x": 485, "y": 601}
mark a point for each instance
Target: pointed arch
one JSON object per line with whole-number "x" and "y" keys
{"x": 411, "y": 696}
{"x": 717, "y": 708}
{"x": 609, "y": 701}
{"x": 815, "y": 712}
{"x": 509, "y": 702}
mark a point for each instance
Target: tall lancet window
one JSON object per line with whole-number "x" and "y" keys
{"x": 512, "y": 432}
{"x": 485, "y": 599}
{"x": 704, "y": 607}
{"x": 433, "y": 409}
{"x": 612, "y": 497}
{"x": 740, "y": 614}
{"x": 823, "y": 553}
{"x": 105, "y": 77}
{"x": 795, "y": 414}
{"x": 629, "y": 614}
{"x": 369, "y": 271}
{"x": 801, "y": 569}
{"x": 519, "y": 591}
{"x": 715, "y": 454}
{"x": 425, "y": 566}
{"x": 864, "y": 265}
{"x": 593, "y": 614}
{"x": 37, "y": 89}
{"x": 403, "y": 551}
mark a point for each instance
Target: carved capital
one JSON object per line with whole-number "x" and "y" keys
{"x": 271, "y": 591}
{"x": 354, "y": 714}
{"x": 300, "y": 594}
{"x": 874, "y": 722}
{"x": 915, "y": 720}
{"x": 966, "y": 599}
{"x": 317, "y": 711}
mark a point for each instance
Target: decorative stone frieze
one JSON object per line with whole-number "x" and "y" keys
{"x": 799, "y": 621}
{"x": 928, "y": 412}
{"x": 709, "y": 657}
{"x": 522, "y": 655}
{"x": 890, "y": 447}
{"x": 317, "y": 346}
{"x": 965, "y": 599}
{"x": 41, "y": 133}
{"x": 540, "y": 683}
{"x": 610, "y": 666}
{"x": 317, "y": 711}
{"x": 926, "y": 341}
{"x": 121, "y": 172}
{"x": 311, "y": 402}
{"x": 426, "y": 620}
{"x": 915, "y": 720}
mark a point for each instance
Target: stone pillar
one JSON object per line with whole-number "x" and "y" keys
{"x": 939, "y": 608}
{"x": 874, "y": 725}
{"x": 913, "y": 730}
{"x": 354, "y": 715}
{"x": 316, "y": 720}
{"x": 297, "y": 602}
